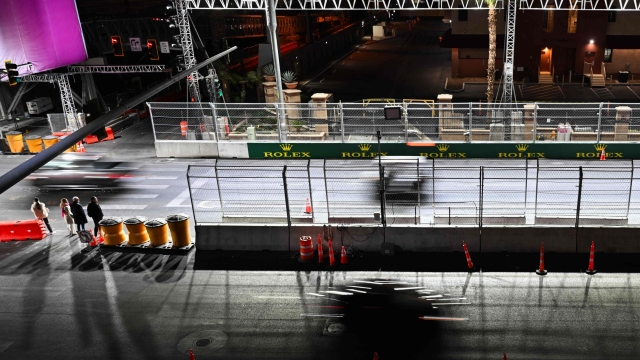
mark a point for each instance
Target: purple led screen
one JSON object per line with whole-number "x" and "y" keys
{"x": 46, "y": 33}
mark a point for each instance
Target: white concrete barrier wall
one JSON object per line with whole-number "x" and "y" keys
{"x": 186, "y": 148}
{"x": 233, "y": 150}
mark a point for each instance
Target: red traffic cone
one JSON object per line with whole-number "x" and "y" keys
{"x": 504, "y": 356}
{"x": 320, "y": 253}
{"x": 603, "y": 155}
{"x": 375, "y": 355}
{"x": 541, "y": 270}
{"x": 344, "y": 260}
{"x": 591, "y": 270}
{"x": 307, "y": 207}
{"x": 80, "y": 148}
{"x": 192, "y": 356}
{"x": 332, "y": 260}
{"x": 466, "y": 254}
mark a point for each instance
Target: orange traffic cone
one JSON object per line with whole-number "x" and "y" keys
{"x": 192, "y": 356}
{"x": 307, "y": 208}
{"x": 541, "y": 270}
{"x": 591, "y": 270}
{"x": 466, "y": 254}
{"x": 603, "y": 155}
{"x": 504, "y": 356}
{"x": 80, "y": 148}
{"x": 375, "y": 355}
{"x": 320, "y": 253}
{"x": 344, "y": 260}
{"x": 332, "y": 260}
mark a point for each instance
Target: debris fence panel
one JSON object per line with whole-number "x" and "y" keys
{"x": 416, "y": 191}
{"x": 360, "y": 122}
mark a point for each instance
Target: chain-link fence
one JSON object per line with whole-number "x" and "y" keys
{"x": 359, "y": 122}
{"x": 415, "y": 190}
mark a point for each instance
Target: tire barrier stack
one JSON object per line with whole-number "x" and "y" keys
{"x": 22, "y": 230}
{"x": 170, "y": 235}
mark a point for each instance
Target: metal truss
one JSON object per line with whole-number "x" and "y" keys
{"x": 50, "y": 78}
{"x": 117, "y": 69}
{"x": 67, "y": 99}
{"x": 507, "y": 83}
{"x": 614, "y": 5}
{"x": 182, "y": 21}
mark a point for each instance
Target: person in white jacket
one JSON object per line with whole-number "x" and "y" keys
{"x": 68, "y": 216}
{"x": 41, "y": 212}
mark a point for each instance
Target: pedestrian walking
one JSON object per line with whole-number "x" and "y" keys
{"x": 67, "y": 215}
{"x": 95, "y": 212}
{"x": 79, "y": 216}
{"x": 41, "y": 212}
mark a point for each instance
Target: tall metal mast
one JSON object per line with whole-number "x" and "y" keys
{"x": 182, "y": 21}
{"x": 507, "y": 83}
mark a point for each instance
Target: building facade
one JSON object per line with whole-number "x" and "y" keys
{"x": 560, "y": 42}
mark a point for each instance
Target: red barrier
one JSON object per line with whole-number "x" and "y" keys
{"x": 22, "y": 230}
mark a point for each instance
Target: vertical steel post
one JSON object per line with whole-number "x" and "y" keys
{"x": 433, "y": 184}
{"x": 272, "y": 24}
{"x": 630, "y": 188}
{"x": 419, "y": 184}
{"x": 286, "y": 203}
{"x": 195, "y": 218}
{"x": 535, "y": 211}
{"x": 341, "y": 121}
{"x": 383, "y": 217}
{"x": 470, "y": 122}
{"x": 526, "y": 184}
{"x": 405, "y": 112}
{"x": 278, "y": 119}
{"x": 535, "y": 121}
{"x": 219, "y": 190}
{"x": 310, "y": 190}
{"x": 326, "y": 188}
{"x": 481, "y": 195}
{"x": 599, "y": 123}
{"x": 579, "y": 198}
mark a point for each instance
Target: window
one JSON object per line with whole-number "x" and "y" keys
{"x": 572, "y": 25}
{"x": 612, "y": 16}
{"x": 547, "y": 21}
{"x": 607, "y": 55}
{"x": 463, "y": 15}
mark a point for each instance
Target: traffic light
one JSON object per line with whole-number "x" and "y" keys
{"x": 116, "y": 43}
{"x": 218, "y": 87}
{"x": 12, "y": 72}
{"x": 152, "y": 45}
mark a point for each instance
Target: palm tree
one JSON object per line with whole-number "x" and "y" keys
{"x": 491, "y": 62}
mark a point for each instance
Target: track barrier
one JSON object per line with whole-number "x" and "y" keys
{"x": 22, "y": 230}
{"x": 466, "y": 254}
{"x": 306, "y": 248}
{"x": 113, "y": 231}
{"x": 179, "y": 228}
{"x": 137, "y": 232}
{"x": 158, "y": 231}
{"x": 591, "y": 270}
{"x": 541, "y": 270}
{"x": 320, "y": 253}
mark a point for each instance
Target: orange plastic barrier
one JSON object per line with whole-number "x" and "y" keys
{"x": 184, "y": 126}
{"x": 22, "y": 230}
{"x": 306, "y": 248}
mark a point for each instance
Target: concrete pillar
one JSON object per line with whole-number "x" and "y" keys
{"x": 445, "y": 111}
{"x": 269, "y": 92}
{"x": 292, "y": 106}
{"x": 320, "y": 105}
{"x": 517, "y": 127}
{"x": 623, "y": 115}
{"x": 528, "y": 121}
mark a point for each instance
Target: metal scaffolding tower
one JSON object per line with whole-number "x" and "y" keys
{"x": 510, "y": 39}
{"x": 67, "y": 99}
{"x": 182, "y": 22}
{"x": 116, "y": 69}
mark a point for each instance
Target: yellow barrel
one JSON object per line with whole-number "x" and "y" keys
{"x": 15, "y": 141}
{"x": 34, "y": 143}
{"x": 49, "y": 141}
{"x": 179, "y": 227}
{"x": 158, "y": 231}
{"x": 137, "y": 232}
{"x": 71, "y": 149}
{"x": 113, "y": 232}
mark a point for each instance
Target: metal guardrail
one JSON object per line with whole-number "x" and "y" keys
{"x": 356, "y": 122}
{"x": 426, "y": 192}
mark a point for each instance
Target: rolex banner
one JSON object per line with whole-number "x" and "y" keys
{"x": 549, "y": 150}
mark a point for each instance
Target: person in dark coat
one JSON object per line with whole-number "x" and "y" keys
{"x": 95, "y": 212}
{"x": 79, "y": 216}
